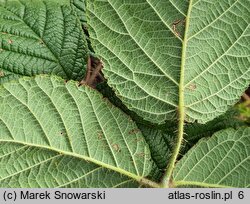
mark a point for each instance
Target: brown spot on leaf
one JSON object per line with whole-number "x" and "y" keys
{"x": 1, "y": 73}
{"x": 100, "y": 135}
{"x": 177, "y": 23}
{"x": 139, "y": 140}
{"x": 192, "y": 87}
{"x": 10, "y": 41}
{"x": 116, "y": 147}
{"x": 174, "y": 26}
{"x": 134, "y": 131}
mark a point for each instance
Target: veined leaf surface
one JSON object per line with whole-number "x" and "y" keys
{"x": 221, "y": 161}
{"x": 57, "y": 135}
{"x": 80, "y": 8}
{"x": 161, "y": 56}
{"x": 38, "y": 37}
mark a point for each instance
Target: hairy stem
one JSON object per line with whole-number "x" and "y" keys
{"x": 166, "y": 181}
{"x": 200, "y": 184}
{"x": 149, "y": 183}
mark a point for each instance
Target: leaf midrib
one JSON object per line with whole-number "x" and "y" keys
{"x": 181, "y": 106}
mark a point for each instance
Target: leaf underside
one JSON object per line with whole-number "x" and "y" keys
{"x": 221, "y": 161}
{"x": 160, "y": 138}
{"x": 40, "y": 37}
{"x": 142, "y": 45}
{"x": 57, "y": 135}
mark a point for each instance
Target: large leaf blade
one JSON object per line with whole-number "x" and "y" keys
{"x": 32, "y": 167}
{"x": 217, "y": 64}
{"x": 221, "y": 161}
{"x": 41, "y": 37}
{"x": 147, "y": 53}
{"x": 122, "y": 67}
{"x": 68, "y": 123}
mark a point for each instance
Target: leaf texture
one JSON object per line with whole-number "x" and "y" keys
{"x": 80, "y": 8}
{"x": 231, "y": 119}
{"x": 57, "y": 135}
{"x": 41, "y": 37}
{"x": 150, "y": 46}
{"x": 160, "y": 143}
{"x": 221, "y": 161}
{"x": 160, "y": 138}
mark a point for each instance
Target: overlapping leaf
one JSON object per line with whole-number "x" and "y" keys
{"x": 156, "y": 51}
{"x": 57, "y": 135}
{"x": 159, "y": 56}
{"x": 80, "y": 8}
{"x": 160, "y": 138}
{"x": 231, "y": 118}
{"x": 40, "y": 37}
{"x": 221, "y": 161}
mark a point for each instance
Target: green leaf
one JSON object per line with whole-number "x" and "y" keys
{"x": 54, "y": 134}
{"x": 160, "y": 138}
{"x": 80, "y": 8}
{"x": 160, "y": 143}
{"x": 40, "y": 37}
{"x": 221, "y": 161}
{"x": 195, "y": 131}
{"x": 161, "y": 56}
{"x": 231, "y": 118}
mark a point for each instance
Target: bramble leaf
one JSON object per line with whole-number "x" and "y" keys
{"x": 57, "y": 135}
{"x": 161, "y": 56}
{"x": 173, "y": 65}
{"x": 221, "y": 161}
{"x": 41, "y": 37}
{"x": 80, "y": 8}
